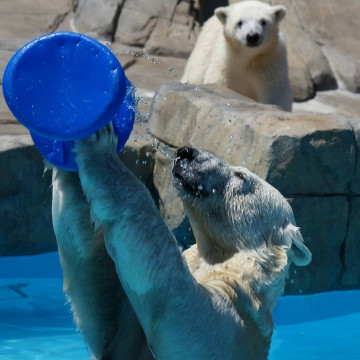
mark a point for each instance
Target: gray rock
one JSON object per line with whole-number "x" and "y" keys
{"x": 347, "y": 68}
{"x": 335, "y": 102}
{"x": 174, "y": 37}
{"x": 323, "y": 223}
{"x": 150, "y": 72}
{"x": 328, "y": 31}
{"x": 300, "y": 79}
{"x": 97, "y": 18}
{"x": 31, "y": 18}
{"x": 25, "y": 210}
{"x": 305, "y": 147}
{"x": 161, "y": 27}
{"x": 351, "y": 248}
{"x": 138, "y": 19}
{"x": 169, "y": 203}
{"x": 139, "y": 155}
{"x": 313, "y": 62}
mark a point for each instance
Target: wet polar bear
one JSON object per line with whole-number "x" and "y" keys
{"x": 241, "y": 47}
{"x": 134, "y": 296}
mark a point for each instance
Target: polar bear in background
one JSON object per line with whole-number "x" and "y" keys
{"x": 134, "y": 296}
{"x": 241, "y": 46}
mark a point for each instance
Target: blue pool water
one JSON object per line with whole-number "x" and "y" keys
{"x": 35, "y": 322}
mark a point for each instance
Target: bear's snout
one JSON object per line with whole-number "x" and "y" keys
{"x": 253, "y": 39}
{"x": 187, "y": 153}
{"x": 186, "y": 172}
{"x": 184, "y": 156}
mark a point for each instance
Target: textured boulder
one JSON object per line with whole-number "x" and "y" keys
{"x": 350, "y": 250}
{"x": 175, "y": 36}
{"x": 322, "y": 36}
{"x": 97, "y": 18}
{"x": 312, "y": 159}
{"x": 161, "y": 27}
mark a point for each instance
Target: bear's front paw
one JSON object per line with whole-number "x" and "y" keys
{"x": 104, "y": 139}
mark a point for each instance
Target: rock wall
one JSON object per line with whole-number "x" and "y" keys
{"x": 161, "y": 27}
{"x": 25, "y": 199}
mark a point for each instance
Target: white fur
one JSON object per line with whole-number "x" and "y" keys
{"x": 132, "y": 292}
{"x": 222, "y": 55}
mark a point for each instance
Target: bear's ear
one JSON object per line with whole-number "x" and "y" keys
{"x": 221, "y": 14}
{"x": 279, "y": 12}
{"x": 298, "y": 252}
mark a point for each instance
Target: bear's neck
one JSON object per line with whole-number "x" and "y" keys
{"x": 252, "y": 279}
{"x": 209, "y": 249}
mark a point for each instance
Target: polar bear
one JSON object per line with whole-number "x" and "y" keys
{"x": 241, "y": 46}
{"x": 134, "y": 295}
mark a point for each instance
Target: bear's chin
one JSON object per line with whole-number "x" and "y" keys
{"x": 253, "y": 45}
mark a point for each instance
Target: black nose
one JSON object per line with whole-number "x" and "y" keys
{"x": 187, "y": 153}
{"x": 252, "y": 39}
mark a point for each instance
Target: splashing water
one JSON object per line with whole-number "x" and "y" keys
{"x": 183, "y": 164}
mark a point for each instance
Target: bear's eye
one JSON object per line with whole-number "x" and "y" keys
{"x": 263, "y": 22}
{"x": 240, "y": 175}
{"x": 240, "y": 24}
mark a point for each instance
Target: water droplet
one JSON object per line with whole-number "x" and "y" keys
{"x": 200, "y": 187}
{"x": 183, "y": 164}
